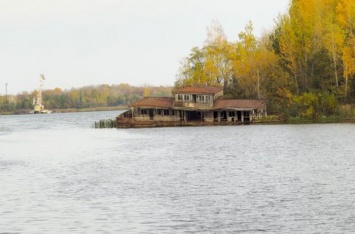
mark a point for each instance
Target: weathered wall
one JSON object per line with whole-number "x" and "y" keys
{"x": 208, "y": 116}
{"x": 163, "y": 118}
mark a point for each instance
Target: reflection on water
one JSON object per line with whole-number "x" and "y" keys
{"x": 59, "y": 175}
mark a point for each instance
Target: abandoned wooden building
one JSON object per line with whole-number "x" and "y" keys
{"x": 192, "y": 104}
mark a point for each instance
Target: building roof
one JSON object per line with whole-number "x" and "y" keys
{"x": 163, "y": 102}
{"x": 198, "y": 90}
{"x": 238, "y": 104}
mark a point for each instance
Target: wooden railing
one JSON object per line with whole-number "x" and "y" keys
{"x": 193, "y": 104}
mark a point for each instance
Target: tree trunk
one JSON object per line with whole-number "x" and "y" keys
{"x": 346, "y": 81}
{"x": 334, "y": 59}
{"x": 258, "y": 85}
{"x": 335, "y": 69}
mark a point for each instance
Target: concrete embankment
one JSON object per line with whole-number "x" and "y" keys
{"x": 130, "y": 123}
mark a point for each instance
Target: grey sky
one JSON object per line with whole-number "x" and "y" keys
{"x": 76, "y": 43}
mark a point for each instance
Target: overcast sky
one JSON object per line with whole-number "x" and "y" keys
{"x": 77, "y": 43}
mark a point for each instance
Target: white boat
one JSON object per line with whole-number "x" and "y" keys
{"x": 46, "y": 111}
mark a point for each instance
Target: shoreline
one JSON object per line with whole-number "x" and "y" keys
{"x": 128, "y": 123}
{"x": 69, "y": 110}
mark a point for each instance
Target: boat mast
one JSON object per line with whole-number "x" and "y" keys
{"x": 39, "y": 94}
{"x": 38, "y": 107}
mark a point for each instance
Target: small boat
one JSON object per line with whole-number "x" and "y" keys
{"x": 46, "y": 111}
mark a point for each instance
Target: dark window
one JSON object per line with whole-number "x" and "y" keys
{"x": 166, "y": 112}
{"x": 179, "y": 97}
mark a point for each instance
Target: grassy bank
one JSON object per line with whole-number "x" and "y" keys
{"x": 108, "y": 108}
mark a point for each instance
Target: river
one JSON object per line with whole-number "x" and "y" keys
{"x": 60, "y": 175}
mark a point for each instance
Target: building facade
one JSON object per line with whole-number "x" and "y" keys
{"x": 204, "y": 104}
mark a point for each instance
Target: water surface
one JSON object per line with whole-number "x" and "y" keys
{"x": 60, "y": 175}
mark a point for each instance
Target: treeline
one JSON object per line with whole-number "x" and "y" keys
{"x": 85, "y": 97}
{"x": 304, "y": 67}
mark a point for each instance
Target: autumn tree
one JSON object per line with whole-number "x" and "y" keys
{"x": 345, "y": 18}
{"x": 209, "y": 65}
{"x": 248, "y": 63}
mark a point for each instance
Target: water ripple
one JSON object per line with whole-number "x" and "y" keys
{"x": 64, "y": 177}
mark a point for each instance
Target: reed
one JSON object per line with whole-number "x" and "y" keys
{"x": 106, "y": 123}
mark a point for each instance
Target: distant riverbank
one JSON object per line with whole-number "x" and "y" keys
{"x": 91, "y": 109}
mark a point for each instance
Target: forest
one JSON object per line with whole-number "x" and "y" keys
{"x": 304, "y": 67}
{"x": 90, "y": 97}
